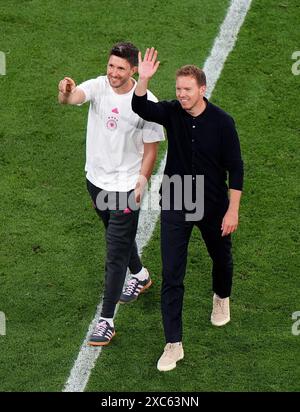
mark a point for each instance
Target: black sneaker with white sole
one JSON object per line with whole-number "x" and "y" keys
{"x": 102, "y": 334}
{"x": 134, "y": 288}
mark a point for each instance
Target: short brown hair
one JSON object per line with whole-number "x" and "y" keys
{"x": 193, "y": 71}
{"x": 127, "y": 51}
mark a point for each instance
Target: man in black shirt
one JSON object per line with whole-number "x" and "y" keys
{"x": 202, "y": 141}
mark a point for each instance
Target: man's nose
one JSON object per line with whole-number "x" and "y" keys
{"x": 114, "y": 72}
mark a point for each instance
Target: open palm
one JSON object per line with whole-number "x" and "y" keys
{"x": 148, "y": 67}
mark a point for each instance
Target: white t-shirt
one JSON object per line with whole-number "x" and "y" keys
{"x": 115, "y": 136}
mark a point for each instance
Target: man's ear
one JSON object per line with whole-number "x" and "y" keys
{"x": 134, "y": 70}
{"x": 203, "y": 90}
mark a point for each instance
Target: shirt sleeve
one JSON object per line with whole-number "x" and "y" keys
{"x": 152, "y": 132}
{"x": 89, "y": 88}
{"x": 151, "y": 111}
{"x": 231, "y": 154}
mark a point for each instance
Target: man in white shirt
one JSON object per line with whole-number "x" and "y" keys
{"x": 121, "y": 150}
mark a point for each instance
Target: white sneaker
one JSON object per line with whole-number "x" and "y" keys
{"x": 221, "y": 313}
{"x": 173, "y": 353}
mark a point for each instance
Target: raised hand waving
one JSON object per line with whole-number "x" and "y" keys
{"x": 148, "y": 66}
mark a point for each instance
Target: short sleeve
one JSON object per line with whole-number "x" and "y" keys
{"x": 89, "y": 88}
{"x": 153, "y": 132}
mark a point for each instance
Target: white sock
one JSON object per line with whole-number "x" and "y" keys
{"x": 142, "y": 274}
{"x": 109, "y": 320}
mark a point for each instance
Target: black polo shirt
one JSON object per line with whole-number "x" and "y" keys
{"x": 204, "y": 145}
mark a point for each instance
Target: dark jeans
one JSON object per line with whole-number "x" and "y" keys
{"x": 175, "y": 236}
{"x": 121, "y": 249}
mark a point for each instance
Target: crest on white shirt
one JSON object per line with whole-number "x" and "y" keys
{"x": 112, "y": 123}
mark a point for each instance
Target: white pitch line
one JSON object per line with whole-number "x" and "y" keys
{"x": 225, "y": 41}
{"x": 213, "y": 66}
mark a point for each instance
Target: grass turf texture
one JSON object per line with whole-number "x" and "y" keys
{"x": 256, "y": 351}
{"x": 52, "y": 246}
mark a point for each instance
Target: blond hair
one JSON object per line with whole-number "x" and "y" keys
{"x": 193, "y": 71}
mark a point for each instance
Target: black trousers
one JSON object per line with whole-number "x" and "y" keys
{"x": 121, "y": 248}
{"x": 175, "y": 236}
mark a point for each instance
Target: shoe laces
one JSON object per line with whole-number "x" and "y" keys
{"x": 131, "y": 286}
{"x": 219, "y": 305}
{"x": 170, "y": 347}
{"x": 100, "y": 328}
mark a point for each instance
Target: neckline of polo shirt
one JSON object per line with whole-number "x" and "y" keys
{"x": 123, "y": 94}
{"x": 201, "y": 115}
